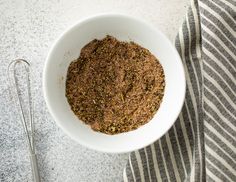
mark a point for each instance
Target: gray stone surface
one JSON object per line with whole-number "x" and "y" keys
{"x": 27, "y": 30}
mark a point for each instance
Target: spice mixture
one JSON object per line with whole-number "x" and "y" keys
{"x": 115, "y": 86}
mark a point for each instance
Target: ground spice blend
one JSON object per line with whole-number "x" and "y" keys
{"x": 115, "y": 86}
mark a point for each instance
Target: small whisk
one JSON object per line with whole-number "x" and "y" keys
{"x": 28, "y": 130}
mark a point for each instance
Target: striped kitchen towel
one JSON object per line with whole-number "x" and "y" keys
{"x": 201, "y": 146}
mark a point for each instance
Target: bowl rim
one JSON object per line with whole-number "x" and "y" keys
{"x": 78, "y": 23}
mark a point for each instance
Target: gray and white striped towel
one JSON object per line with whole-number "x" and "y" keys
{"x": 201, "y": 146}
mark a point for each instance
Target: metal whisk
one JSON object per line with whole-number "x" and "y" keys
{"x": 28, "y": 130}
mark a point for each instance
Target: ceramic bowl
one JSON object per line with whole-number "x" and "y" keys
{"x": 126, "y": 28}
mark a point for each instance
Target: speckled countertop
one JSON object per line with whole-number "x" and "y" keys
{"x": 27, "y": 30}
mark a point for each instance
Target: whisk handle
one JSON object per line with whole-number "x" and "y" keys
{"x": 34, "y": 167}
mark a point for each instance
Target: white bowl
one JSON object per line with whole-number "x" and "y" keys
{"x": 123, "y": 27}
